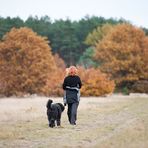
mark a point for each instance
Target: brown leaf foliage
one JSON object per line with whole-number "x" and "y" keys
{"x": 95, "y": 83}
{"x": 123, "y": 53}
{"x": 25, "y": 62}
{"x": 27, "y": 66}
{"x": 55, "y": 78}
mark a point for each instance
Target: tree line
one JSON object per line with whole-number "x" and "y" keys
{"x": 109, "y": 54}
{"x": 65, "y": 37}
{"x": 27, "y": 66}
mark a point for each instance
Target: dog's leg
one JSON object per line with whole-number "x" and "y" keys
{"x": 52, "y": 123}
{"x": 59, "y": 119}
{"x": 58, "y": 122}
{"x": 59, "y": 116}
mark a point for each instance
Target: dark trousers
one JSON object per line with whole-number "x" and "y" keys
{"x": 72, "y": 112}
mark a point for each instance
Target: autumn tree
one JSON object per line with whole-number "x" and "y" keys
{"x": 95, "y": 83}
{"x": 92, "y": 39}
{"x": 25, "y": 62}
{"x": 56, "y": 77}
{"x": 123, "y": 53}
{"x": 59, "y": 62}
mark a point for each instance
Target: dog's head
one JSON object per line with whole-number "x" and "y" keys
{"x": 61, "y": 106}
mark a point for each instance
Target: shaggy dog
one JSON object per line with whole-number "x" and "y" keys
{"x": 54, "y": 112}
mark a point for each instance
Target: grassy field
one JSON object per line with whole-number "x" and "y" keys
{"x": 103, "y": 122}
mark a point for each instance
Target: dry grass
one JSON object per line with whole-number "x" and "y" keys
{"x": 105, "y": 122}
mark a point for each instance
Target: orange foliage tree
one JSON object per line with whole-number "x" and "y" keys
{"x": 95, "y": 83}
{"x": 123, "y": 53}
{"x": 56, "y": 77}
{"x": 25, "y": 62}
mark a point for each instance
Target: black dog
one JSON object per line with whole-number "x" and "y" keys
{"x": 54, "y": 112}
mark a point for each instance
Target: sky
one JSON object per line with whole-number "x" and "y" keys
{"x": 135, "y": 11}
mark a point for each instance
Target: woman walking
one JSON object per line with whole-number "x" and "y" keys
{"x": 71, "y": 85}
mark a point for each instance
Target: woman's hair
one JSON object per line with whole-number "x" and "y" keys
{"x": 72, "y": 70}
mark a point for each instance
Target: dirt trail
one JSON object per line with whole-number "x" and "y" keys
{"x": 103, "y": 122}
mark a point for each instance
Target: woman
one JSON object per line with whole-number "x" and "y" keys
{"x": 71, "y": 85}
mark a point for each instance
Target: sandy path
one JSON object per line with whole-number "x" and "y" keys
{"x": 103, "y": 122}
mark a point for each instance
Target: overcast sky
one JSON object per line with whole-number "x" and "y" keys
{"x": 136, "y": 11}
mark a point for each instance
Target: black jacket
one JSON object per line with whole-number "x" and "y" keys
{"x": 71, "y": 85}
{"x": 72, "y": 81}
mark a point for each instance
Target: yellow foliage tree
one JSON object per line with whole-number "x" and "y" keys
{"x": 123, "y": 53}
{"x": 25, "y": 62}
{"x": 97, "y": 34}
